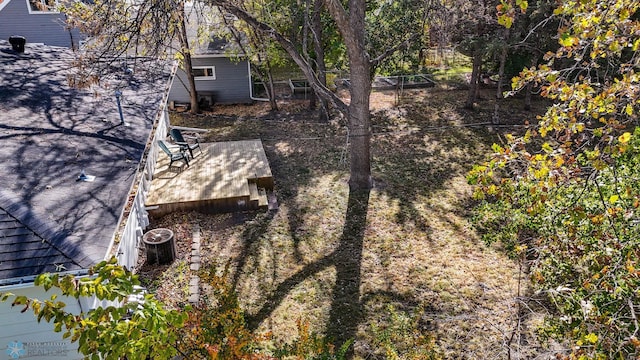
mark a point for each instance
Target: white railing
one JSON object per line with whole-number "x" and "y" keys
{"x": 138, "y": 219}
{"x": 162, "y": 129}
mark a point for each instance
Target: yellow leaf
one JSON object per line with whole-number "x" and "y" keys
{"x": 568, "y": 40}
{"x": 628, "y": 109}
{"x": 613, "y": 199}
{"x": 592, "y": 338}
{"x": 541, "y": 173}
{"x": 624, "y": 138}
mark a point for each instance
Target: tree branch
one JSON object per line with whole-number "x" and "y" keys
{"x": 340, "y": 15}
{"x": 390, "y": 51}
{"x": 288, "y": 46}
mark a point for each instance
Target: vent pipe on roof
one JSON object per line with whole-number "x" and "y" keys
{"x": 17, "y": 43}
{"x": 118, "y": 95}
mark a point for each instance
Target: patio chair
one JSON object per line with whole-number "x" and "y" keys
{"x": 174, "y": 156}
{"x": 177, "y": 137}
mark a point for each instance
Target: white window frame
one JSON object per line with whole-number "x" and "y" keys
{"x": 49, "y": 10}
{"x": 212, "y": 70}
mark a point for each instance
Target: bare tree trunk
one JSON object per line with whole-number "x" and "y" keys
{"x": 70, "y": 30}
{"x": 267, "y": 79}
{"x": 475, "y": 80}
{"x": 305, "y": 50}
{"x": 271, "y": 91}
{"x": 352, "y": 28}
{"x": 321, "y": 68}
{"x": 266, "y": 76}
{"x": 188, "y": 69}
{"x": 503, "y": 60}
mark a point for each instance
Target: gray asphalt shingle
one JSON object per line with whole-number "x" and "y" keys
{"x": 49, "y": 133}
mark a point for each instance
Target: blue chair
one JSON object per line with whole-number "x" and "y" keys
{"x": 177, "y": 137}
{"x": 174, "y": 156}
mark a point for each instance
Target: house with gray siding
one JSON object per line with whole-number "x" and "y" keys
{"x": 220, "y": 79}
{"x": 38, "y": 21}
{"x": 221, "y": 70}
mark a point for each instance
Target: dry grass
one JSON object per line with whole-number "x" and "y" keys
{"x": 418, "y": 257}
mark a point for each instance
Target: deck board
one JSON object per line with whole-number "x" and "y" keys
{"x": 216, "y": 179}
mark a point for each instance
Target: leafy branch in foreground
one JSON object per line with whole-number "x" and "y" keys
{"x": 143, "y": 328}
{"x": 216, "y": 329}
{"x": 132, "y": 329}
{"x": 567, "y": 192}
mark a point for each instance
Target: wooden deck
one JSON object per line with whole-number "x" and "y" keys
{"x": 226, "y": 176}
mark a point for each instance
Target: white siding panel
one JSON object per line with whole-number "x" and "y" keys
{"x": 30, "y": 339}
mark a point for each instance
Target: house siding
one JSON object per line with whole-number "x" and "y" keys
{"x": 230, "y": 86}
{"x": 37, "y": 340}
{"x": 46, "y": 28}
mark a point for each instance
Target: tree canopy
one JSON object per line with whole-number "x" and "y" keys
{"x": 565, "y": 194}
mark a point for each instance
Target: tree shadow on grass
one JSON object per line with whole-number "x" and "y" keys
{"x": 346, "y": 308}
{"x": 420, "y": 154}
{"x": 292, "y": 161}
{"x": 250, "y": 236}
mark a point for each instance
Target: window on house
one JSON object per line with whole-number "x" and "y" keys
{"x": 204, "y": 72}
{"x": 43, "y": 5}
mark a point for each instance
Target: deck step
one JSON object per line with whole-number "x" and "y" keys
{"x": 263, "y": 202}
{"x": 258, "y": 196}
{"x": 253, "y": 191}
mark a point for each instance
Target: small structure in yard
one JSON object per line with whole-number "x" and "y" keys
{"x": 299, "y": 87}
{"x": 227, "y": 176}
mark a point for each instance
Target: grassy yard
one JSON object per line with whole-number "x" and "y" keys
{"x": 404, "y": 272}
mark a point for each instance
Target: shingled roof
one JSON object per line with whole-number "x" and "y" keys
{"x": 23, "y": 250}
{"x": 49, "y": 133}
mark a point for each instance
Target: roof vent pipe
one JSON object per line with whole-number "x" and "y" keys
{"x": 17, "y": 43}
{"x": 118, "y": 95}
